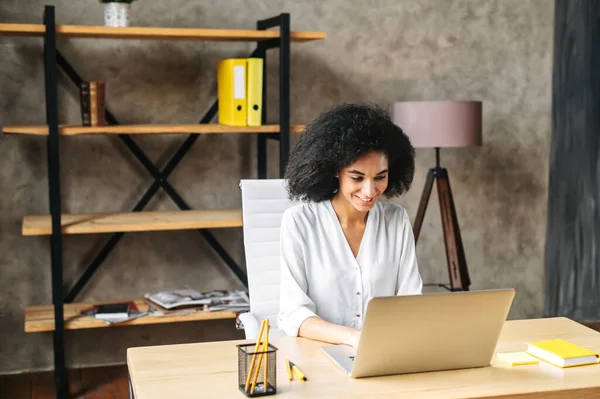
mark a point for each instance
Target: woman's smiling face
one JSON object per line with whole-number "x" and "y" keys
{"x": 364, "y": 181}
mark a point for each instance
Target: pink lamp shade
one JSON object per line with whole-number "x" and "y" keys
{"x": 431, "y": 124}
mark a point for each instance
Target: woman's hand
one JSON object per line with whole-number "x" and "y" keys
{"x": 321, "y": 330}
{"x": 353, "y": 338}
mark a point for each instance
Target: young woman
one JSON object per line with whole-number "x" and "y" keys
{"x": 341, "y": 246}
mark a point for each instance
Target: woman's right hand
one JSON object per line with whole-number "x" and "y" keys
{"x": 318, "y": 329}
{"x": 353, "y": 338}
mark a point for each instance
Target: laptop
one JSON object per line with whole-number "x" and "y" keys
{"x": 429, "y": 332}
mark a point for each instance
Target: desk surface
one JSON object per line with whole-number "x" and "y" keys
{"x": 210, "y": 370}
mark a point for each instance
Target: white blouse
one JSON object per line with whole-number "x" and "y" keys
{"x": 321, "y": 277}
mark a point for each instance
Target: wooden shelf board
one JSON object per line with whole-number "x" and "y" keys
{"x": 41, "y": 318}
{"x": 157, "y": 33}
{"x": 86, "y": 223}
{"x": 203, "y": 128}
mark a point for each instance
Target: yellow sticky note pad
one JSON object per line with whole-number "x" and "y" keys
{"x": 517, "y": 358}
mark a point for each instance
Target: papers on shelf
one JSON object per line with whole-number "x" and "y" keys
{"x": 184, "y": 301}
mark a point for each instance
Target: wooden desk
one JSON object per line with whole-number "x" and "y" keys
{"x": 210, "y": 370}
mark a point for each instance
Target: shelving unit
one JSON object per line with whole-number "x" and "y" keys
{"x": 88, "y": 223}
{"x": 64, "y": 313}
{"x": 209, "y": 128}
{"x": 139, "y": 32}
{"x": 41, "y": 318}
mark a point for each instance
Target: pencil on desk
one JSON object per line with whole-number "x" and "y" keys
{"x": 256, "y": 348}
{"x": 299, "y": 373}
{"x": 288, "y": 368}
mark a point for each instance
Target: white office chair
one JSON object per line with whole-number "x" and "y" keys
{"x": 263, "y": 204}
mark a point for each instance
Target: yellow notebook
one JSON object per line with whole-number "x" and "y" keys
{"x": 254, "y": 91}
{"x": 562, "y": 353}
{"x": 518, "y": 358}
{"x": 231, "y": 88}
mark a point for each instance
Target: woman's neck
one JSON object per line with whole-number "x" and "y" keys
{"x": 347, "y": 214}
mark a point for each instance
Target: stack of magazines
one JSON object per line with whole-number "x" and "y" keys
{"x": 182, "y": 301}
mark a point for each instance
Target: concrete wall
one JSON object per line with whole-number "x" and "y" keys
{"x": 496, "y": 51}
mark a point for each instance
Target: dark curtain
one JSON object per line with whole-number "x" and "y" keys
{"x": 572, "y": 256}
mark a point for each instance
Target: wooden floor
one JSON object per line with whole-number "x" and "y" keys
{"x": 88, "y": 383}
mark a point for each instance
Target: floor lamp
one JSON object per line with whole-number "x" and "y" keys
{"x": 442, "y": 124}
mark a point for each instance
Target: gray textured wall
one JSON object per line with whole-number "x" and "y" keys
{"x": 497, "y": 51}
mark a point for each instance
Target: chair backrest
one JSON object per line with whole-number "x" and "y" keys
{"x": 263, "y": 204}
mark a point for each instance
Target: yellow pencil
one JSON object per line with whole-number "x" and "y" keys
{"x": 288, "y": 368}
{"x": 297, "y": 371}
{"x": 266, "y": 350}
{"x": 256, "y": 347}
{"x": 262, "y": 354}
{"x": 255, "y": 377}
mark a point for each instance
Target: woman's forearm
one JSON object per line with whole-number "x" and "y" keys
{"x": 321, "y": 330}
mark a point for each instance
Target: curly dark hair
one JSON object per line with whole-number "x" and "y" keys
{"x": 336, "y": 139}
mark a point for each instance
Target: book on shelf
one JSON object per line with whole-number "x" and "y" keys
{"x": 188, "y": 300}
{"x": 84, "y": 99}
{"x": 112, "y": 313}
{"x": 92, "y": 101}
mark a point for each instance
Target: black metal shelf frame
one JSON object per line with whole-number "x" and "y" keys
{"x": 54, "y": 59}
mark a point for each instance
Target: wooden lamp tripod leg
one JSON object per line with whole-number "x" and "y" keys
{"x": 423, "y": 204}
{"x": 455, "y": 254}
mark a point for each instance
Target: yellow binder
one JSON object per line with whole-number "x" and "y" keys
{"x": 231, "y": 91}
{"x": 254, "y": 91}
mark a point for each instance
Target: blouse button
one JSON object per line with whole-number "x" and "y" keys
{"x": 358, "y": 293}
{"x": 358, "y": 315}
